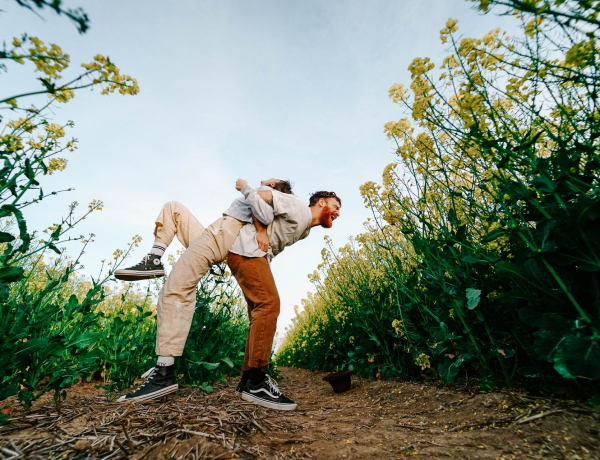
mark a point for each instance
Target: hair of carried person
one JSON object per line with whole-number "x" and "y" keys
{"x": 315, "y": 197}
{"x": 284, "y": 186}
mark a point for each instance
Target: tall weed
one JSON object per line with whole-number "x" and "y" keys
{"x": 56, "y": 327}
{"x": 481, "y": 259}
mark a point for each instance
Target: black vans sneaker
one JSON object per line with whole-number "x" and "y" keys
{"x": 267, "y": 394}
{"x": 161, "y": 381}
{"x": 149, "y": 267}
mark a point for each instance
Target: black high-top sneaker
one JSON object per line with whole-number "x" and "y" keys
{"x": 267, "y": 394}
{"x": 149, "y": 267}
{"x": 161, "y": 381}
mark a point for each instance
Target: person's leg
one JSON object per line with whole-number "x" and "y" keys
{"x": 245, "y": 365}
{"x": 256, "y": 280}
{"x": 174, "y": 219}
{"x": 254, "y": 276}
{"x": 177, "y": 298}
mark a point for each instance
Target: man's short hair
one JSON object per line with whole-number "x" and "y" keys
{"x": 284, "y": 186}
{"x": 315, "y": 197}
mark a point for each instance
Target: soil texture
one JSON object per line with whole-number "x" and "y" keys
{"x": 374, "y": 419}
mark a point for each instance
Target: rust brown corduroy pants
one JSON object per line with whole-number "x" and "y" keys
{"x": 254, "y": 276}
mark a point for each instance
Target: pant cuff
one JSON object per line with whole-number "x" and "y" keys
{"x": 168, "y": 352}
{"x": 260, "y": 363}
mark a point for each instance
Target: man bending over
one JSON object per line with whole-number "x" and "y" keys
{"x": 293, "y": 221}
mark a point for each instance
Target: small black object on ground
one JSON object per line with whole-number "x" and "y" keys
{"x": 340, "y": 381}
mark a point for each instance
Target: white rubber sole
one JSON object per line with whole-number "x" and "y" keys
{"x": 148, "y": 397}
{"x": 261, "y": 402}
{"x": 135, "y": 275}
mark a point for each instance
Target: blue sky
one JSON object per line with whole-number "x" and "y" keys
{"x": 233, "y": 88}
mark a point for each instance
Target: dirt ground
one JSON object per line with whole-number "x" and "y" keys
{"x": 374, "y": 419}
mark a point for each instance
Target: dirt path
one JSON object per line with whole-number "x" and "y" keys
{"x": 375, "y": 419}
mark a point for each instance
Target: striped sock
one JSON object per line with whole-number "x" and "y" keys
{"x": 158, "y": 249}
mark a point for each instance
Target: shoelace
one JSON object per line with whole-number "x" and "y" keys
{"x": 147, "y": 258}
{"x": 148, "y": 376}
{"x": 273, "y": 385}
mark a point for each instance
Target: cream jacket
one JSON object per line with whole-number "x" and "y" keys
{"x": 292, "y": 223}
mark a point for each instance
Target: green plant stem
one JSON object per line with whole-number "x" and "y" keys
{"x": 584, "y": 316}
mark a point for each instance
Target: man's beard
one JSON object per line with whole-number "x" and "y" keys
{"x": 325, "y": 220}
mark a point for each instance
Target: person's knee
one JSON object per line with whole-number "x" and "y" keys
{"x": 276, "y": 304}
{"x": 173, "y": 205}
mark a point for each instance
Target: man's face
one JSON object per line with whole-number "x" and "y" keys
{"x": 330, "y": 212}
{"x": 270, "y": 182}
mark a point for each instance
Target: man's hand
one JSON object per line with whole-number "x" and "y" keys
{"x": 263, "y": 240}
{"x": 261, "y": 234}
{"x": 240, "y": 184}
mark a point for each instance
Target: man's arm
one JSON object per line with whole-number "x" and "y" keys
{"x": 261, "y": 203}
{"x": 261, "y": 234}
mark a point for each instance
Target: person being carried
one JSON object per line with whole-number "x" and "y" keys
{"x": 175, "y": 219}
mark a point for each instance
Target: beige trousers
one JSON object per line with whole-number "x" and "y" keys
{"x": 175, "y": 219}
{"x": 205, "y": 247}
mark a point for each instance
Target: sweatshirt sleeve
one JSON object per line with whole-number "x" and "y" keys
{"x": 261, "y": 210}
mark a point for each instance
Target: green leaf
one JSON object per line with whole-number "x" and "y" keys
{"x": 206, "y": 388}
{"x": 54, "y": 248}
{"x": 93, "y": 356}
{"x": 560, "y": 364}
{"x": 6, "y": 391}
{"x": 227, "y": 361}
{"x": 473, "y": 298}
{"x": 452, "y": 216}
{"x": 493, "y": 235}
{"x": 417, "y": 243}
{"x": 72, "y": 303}
{"x": 31, "y": 345}
{"x": 486, "y": 383}
{"x": 582, "y": 357}
{"x": 448, "y": 370}
{"x": 87, "y": 338}
{"x": 374, "y": 339}
{"x": 544, "y": 183}
{"x": 8, "y": 209}
{"x": 55, "y": 349}
{"x": 548, "y": 339}
{"x": 6, "y": 237}
{"x": 474, "y": 260}
{"x": 210, "y": 366}
{"x": 11, "y": 274}
{"x": 509, "y": 269}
